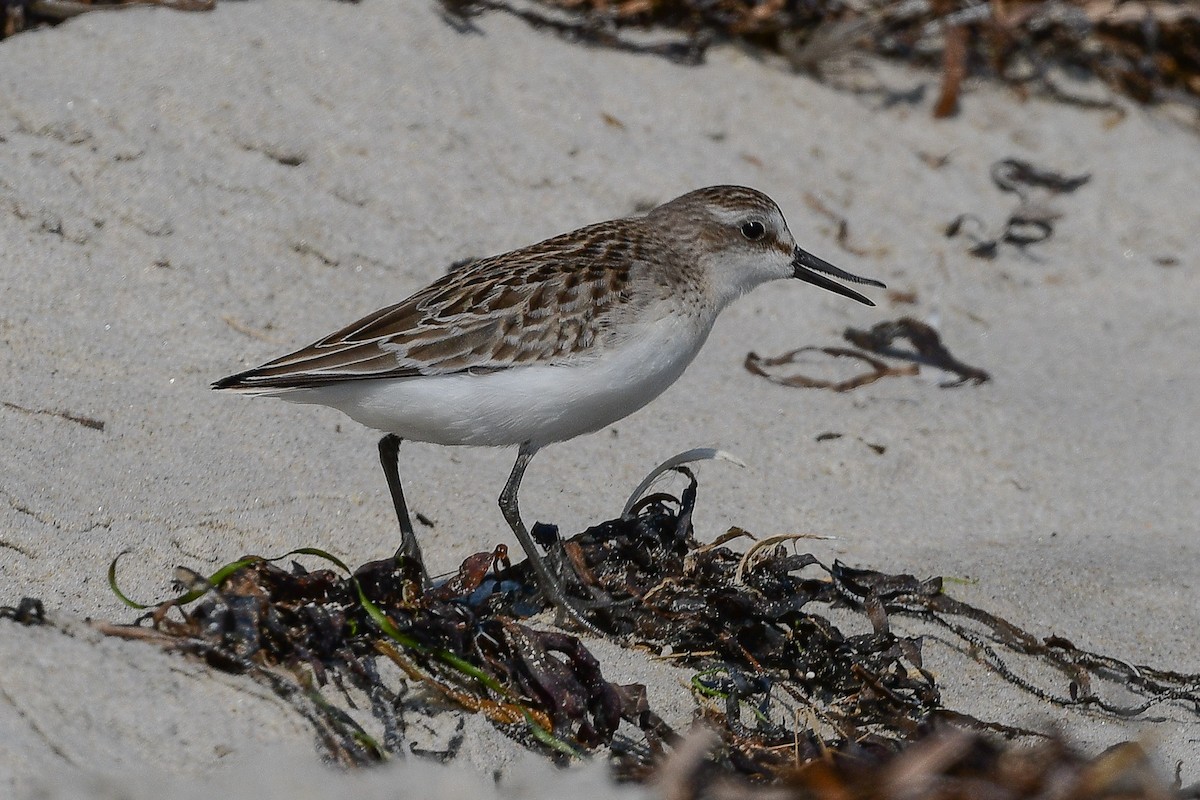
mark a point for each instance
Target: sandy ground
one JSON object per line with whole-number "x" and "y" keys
{"x": 185, "y": 195}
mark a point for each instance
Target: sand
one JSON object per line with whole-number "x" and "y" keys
{"x": 186, "y": 195}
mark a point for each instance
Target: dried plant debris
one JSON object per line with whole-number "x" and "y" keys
{"x": 767, "y": 367}
{"x": 954, "y": 70}
{"x": 29, "y": 611}
{"x": 1146, "y": 50}
{"x": 830, "y": 436}
{"x": 927, "y": 349}
{"x": 795, "y": 700}
{"x": 20, "y": 15}
{"x": 590, "y": 28}
{"x": 87, "y": 422}
{"x": 947, "y": 764}
{"x": 1015, "y": 175}
{"x": 1032, "y": 221}
{"x": 300, "y": 631}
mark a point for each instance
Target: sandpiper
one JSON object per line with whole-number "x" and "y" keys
{"x": 548, "y": 342}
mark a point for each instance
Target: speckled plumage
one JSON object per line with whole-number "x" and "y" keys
{"x": 549, "y": 303}
{"x": 550, "y": 341}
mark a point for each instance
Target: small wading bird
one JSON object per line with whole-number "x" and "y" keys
{"x": 547, "y": 342}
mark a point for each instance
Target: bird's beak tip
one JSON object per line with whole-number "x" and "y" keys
{"x": 811, "y": 269}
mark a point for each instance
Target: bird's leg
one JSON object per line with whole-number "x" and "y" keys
{"x": 389, "y": 457}
{"x": 550, "y": 585}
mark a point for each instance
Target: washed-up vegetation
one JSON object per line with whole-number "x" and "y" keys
{"x": 1148, "y": 50}
{"x": 1145, "y": 49}
{"x": 800, "y": 669}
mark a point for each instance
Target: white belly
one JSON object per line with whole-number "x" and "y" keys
{"x": 535, "y": 404}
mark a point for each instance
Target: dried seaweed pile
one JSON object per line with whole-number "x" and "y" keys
{"x": 299, "y": 631}
{"x": 20, "y": 15}
{"x": 1148, "y": 49}
{"x": 1145, "y": 49}
{"x": 781, "y": 684}
{"x": 947, "y": 765}
{"x": 748, "y": 624}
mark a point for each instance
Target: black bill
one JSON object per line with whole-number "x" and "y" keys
{"x": 813, "y": 270}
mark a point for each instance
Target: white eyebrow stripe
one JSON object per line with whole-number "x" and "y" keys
{"x": 730, "y": 216}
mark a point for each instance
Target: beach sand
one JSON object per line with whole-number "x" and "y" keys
{"x": 187, "y": 195}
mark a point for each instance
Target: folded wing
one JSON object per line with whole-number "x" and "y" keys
{"x": 546, "y": 304}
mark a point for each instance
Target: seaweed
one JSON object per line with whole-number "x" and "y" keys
{"x": 1145, "y": 50}
{"x": 29, "y": 611}
{"x": 793, "y": 698}
{"x": 927, "y": 349}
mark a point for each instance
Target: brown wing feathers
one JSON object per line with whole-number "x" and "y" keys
{"x": 544, "y": 303}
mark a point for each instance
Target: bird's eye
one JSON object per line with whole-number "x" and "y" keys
{"x": 753, "y": 230}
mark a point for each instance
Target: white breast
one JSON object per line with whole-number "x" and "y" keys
{"x": 536, "y": 404}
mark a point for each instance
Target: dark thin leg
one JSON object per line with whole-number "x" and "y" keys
{"x": 549, "y": 583}
{"x": 389, "y": 457}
